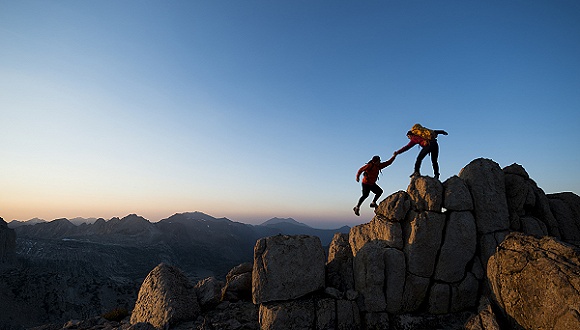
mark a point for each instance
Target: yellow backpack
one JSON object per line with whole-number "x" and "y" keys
{"x": 423, "y": 132}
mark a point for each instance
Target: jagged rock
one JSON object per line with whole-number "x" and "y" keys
{"x": 165, "y": 298}
{"x": 209, "y": 292}
{"x": 238, "y": 283}
{"x": 536, "y": 282}
{"x": 395, "y": 207}
{"x": 377, "y": 229}
{"x": 287, "y": 267}
{"x": 423, "y": 235}
{"x": 339, "y": 267}
{"x": 486, "y": 183}
{"x": 7, "y": 242}
{"x": 458, "y": 247}
{"x": 426, "y": 193}
{"x": 456, "y": 195}
{"x": 566, "y": 209}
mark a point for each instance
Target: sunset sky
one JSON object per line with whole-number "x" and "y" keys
{"x": 257, "y": 109}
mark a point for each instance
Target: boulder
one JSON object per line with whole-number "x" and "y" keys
{"x": 238, "y": 283}
{"x": 395, "y": 207}
{"x": 426, "y": 193}
{"x": 339, "y": 268}
{"x": 486, "y": 182}
{"x": 287, "y": 267}
{"x": 166, "y": 298}
{"x": 209, "y": 292}
{"x": 536, "y": 282}
{"x": 378, "y": 229}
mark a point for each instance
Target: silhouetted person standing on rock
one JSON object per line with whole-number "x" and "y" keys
{"x": 427, "y": 139}
{"x": 370, "y": 173}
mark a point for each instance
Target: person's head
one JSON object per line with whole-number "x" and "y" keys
{"x": 376, "y": 159}
{"x": 409, "y": 134}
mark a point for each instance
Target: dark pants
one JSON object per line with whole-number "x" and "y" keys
{"x": 433, "y": 149}
{"x": 366, "y": 190}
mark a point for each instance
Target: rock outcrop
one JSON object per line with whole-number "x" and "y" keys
{"x": 165, "y": 299}
{"x": 537, "y": 282}
{"x": 286, "y": 268}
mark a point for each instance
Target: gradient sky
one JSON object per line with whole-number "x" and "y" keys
{"x": 257, "y": 109}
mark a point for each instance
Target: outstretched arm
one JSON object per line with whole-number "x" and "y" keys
{"x": 440, "y": 131}
{"x": 389, "y": 161}
{"x": 405, "y": 148}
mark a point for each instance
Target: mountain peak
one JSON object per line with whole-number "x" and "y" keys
{"x": 276, "y": 221}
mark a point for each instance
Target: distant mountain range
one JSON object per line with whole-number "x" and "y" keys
{"x": 197, "y": 242}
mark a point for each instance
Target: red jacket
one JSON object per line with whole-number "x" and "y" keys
{"x": 372, "y": 171}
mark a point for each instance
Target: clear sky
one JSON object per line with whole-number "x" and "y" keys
{"x": 257, "y": 109}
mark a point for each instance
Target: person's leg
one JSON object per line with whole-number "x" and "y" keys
{"x": 424, "y": 151}
{"x": 378, "y": 192}
{"x": 434, "y": 156}
{"x": 366, "y": 190}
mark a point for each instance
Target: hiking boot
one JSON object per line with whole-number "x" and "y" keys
{"x": 356, "y": 210}
{"x": 436, "y": 176}
{"x": 374, "y": 205}
{"x": 415, "y": 174}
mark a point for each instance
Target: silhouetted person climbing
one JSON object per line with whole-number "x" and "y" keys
{"x": 370, "y": 173}
{"x": 427, "y": 139}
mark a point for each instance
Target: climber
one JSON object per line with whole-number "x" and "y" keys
{"x": 427, "y": 139}
{"x": 371, "y": 172}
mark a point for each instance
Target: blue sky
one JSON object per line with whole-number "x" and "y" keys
{"x": 259, "y": 109}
